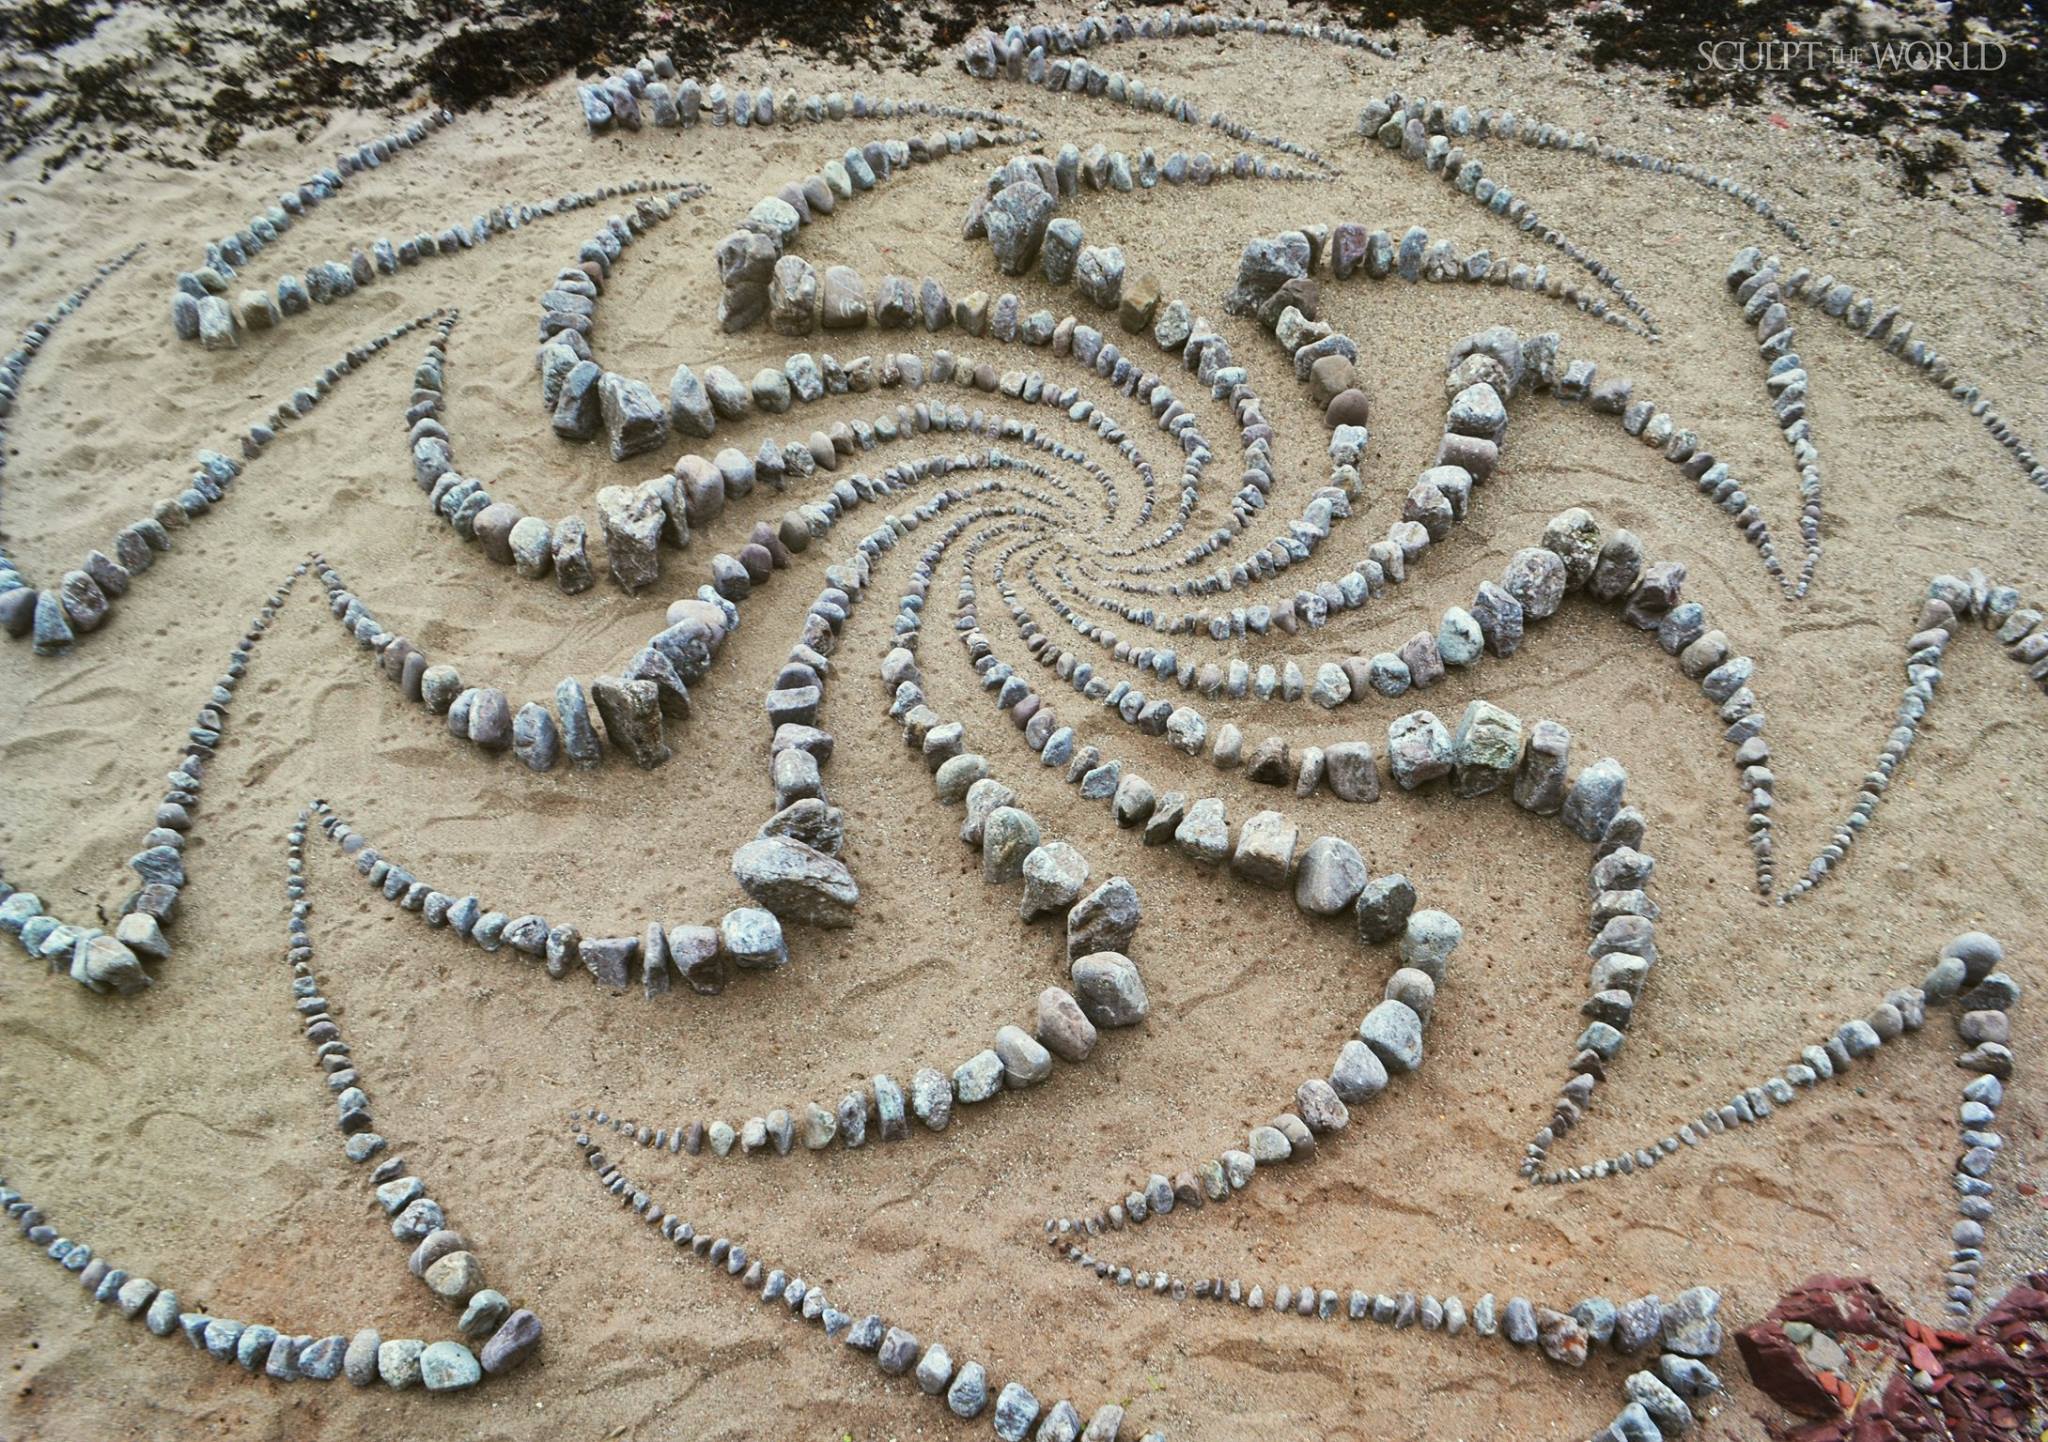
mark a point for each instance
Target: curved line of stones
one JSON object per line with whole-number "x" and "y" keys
{"x": 1013, "y": 56}
{"x": 1447, "y": 121}
{"x": 1119, "y": 28}
{"x": 259, "y": 1348}
{"x": 569, "y": 305}
{"x": 1400, "y": 128}
{"x": 698, "y": 487}
{"x": 1663, "y": 1398}
{"x": 81, "y": 603}
{"x": 440, "y": 1257}
{"x": 102, "y": 962}
{"x": 16, "y": 363}
{"x": 1682, "y": 1332}
{"x": 198, "y": 314}
{"x": 1965, "y": 974}
{"x": 616, "y": 100}
{"x": 751, "y": 256}
{"x": 985, "y": 52}
{"x": 225, "y": 257}
{"x": 743, "y": 939}
{"x": 1623, "y": 916}
{"x": 1762, "y": 285}
{"x": 12, "y": 368}
{"x": 897, "y": 1351}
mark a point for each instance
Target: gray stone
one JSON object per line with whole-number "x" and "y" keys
{"x": 1330, "y": 877}
{"x": 1394, "y": 1032}
{"x": 796, "y": 882}
{"x": 1109, "y": 990}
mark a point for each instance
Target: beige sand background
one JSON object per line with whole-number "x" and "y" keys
{"x": 185, "y": 1134}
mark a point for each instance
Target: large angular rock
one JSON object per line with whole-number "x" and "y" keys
{"x": 1487, "y": 748}
{"x": 1016, "y": 218}
{"x": 1106, "y": 919}
{"x": 796, "y": 882}
{"x": 630, "y": 522}
{"x": 1265, "y": 849}
{"x": 634, "y": 417}
{"x": 632, "y": 718}
{"x": 1418, "y": 749}
{"x": 1330, "y": 876}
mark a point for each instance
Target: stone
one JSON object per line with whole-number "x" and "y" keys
{"x": 1394, "y": 1032}
{"x": 1351, "y": 772}
{"x": 1108, "y": 989}
{"x": 631, "y": 522}
{"x": 1331, "y": 875}
{"x": 486, "y": 1309}
{"x": 631, "y": 710}
{"x": 1359, "y": 1074}
{"x": 449, "y": 1367}
{"x": 1540, "y": 782}
{"x": 1016, "y": 1409}
{"x": 1427, "y": 940}
{"x": 931, "y": 1097}
{"x": 1204, "y": 833}
{"x": 634, "y": 418}
{"x": 1487, "y": 748}
{"x": 1105, "y": 920}
{"x": 1265, "y": 849}
{"x": 516, "y": 1339}
{"x": 1418, "y": 749}
{"x": 1025, "y": 1062}
{"x": 1595, "y": 797}
{"x": 1690, "y": 1324}
{"x": 968, "y": 1394}
{"x": 359, "y": 1362}
{"x": 1320, "y": 1106}
{"x": 1063, "y": 1027}
{"x": 796, "y": 882}
{"x": 1054, "y": 874}
{"x": 398, "y": 1363}
{"x": 1008, "y": 837}
{"x": 934, "y": 1370}
{"x": 1016, "y": 218}
{"x": 1536, "y": 578}
{"x": 1383, "y": 907}
{"x": 1099, "y": 275}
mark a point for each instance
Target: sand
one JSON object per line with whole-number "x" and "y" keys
{"x": 184, "y": 1132}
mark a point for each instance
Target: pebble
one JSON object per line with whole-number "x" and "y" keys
{"x": 1394, "y": 1032}
{"x": 1063, "y": 1027}
{"x": 448, "y": 1367}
